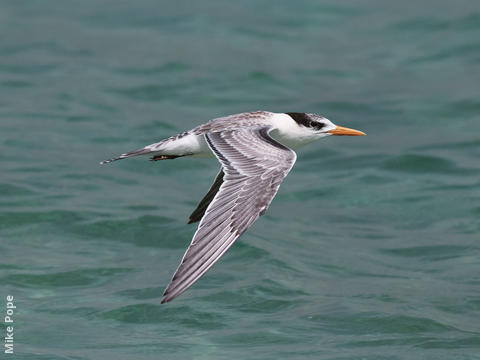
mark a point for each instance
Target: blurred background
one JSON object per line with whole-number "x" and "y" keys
{"x": 369, "y": 251}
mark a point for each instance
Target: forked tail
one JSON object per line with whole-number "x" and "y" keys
{"x": 142, "y": 151}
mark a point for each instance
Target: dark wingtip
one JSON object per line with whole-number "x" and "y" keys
{"x": 166, "y": 298}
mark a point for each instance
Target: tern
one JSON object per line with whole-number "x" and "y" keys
{"x": 256, "y": 152}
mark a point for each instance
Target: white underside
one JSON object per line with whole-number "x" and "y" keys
{"x": 194, "y": 145}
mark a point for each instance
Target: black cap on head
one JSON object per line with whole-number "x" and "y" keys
{"x": 305, "y": 120}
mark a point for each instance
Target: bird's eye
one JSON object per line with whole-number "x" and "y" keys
{"x": 317, "y": 125}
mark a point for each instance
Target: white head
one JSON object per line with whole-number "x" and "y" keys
{"x": 319, "y": 127}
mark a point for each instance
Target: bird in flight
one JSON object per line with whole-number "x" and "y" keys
{"x": 256, "y": 151}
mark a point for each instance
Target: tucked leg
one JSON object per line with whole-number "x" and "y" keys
{"x": 164, "y": 157}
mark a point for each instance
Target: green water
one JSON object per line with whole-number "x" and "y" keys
{"x": 369, "y": 251}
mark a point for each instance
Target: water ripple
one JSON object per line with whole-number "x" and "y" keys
{"x": 147, "y": 230}
{"x": 413, "y": 163}
{"x": 82, "y": 277}
{"x": 152, "y": 314}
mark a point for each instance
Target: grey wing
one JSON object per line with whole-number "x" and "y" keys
{"x": 254, "y": 165}
{"x": 235, "y": 122}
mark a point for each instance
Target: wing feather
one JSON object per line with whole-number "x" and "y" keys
{"x": 253, "y": 166}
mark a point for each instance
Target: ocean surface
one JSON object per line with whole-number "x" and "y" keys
{"x": 371, "y": 249}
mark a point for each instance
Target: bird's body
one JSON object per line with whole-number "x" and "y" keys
{"x": 255, "y": 150}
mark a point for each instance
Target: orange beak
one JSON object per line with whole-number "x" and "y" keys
{"x": 343, "y": 131}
